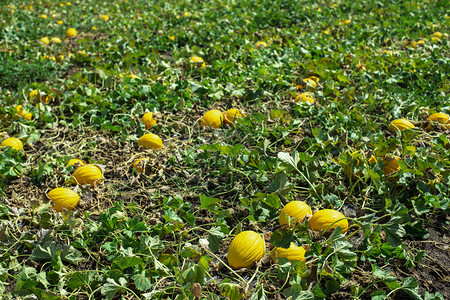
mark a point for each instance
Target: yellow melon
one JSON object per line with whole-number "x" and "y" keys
{"x": 63, "y": 198}
{"x": 327, "y": 219}
{"x": 246, "y": 248}
{"x": 293, "y": 212}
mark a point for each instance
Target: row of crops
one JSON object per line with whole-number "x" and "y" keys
{"x": 224, "y": 150}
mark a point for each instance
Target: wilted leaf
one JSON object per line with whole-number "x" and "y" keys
{"x": 230, "y": 290}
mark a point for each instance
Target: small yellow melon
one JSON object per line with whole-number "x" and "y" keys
{"x": 63, "y": 198}
{"x": 199, "y": 61}
{"x": 148, "y": 120}
{"x": 246, "y": 248}
{"x": 305, "y": 98}
{"x": 231, "y": 115}
{"x": 150, "y": 141}
{"x": 292, "y": 253}
{"x": 213, "y": 118}
{"x": 141, "y": 164}
{"x": 293, "y": 212}
{"x": 55, "y": 40}
{"x": 440, "y": 118}
{"x": 45, "y": 40}
{"x": 311, "y": 81}
{"x": 87, "y": 174}
{"x": 400, "y": 125}
{"x": 71, "y": 32}
{"x": 327, "y": 219}
{"x": 12, "y": 142}
{"x": 24, "y": 113}
{"x": 260, "y": 45}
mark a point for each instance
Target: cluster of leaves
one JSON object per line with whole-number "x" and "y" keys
{"x": 376, "y": 61}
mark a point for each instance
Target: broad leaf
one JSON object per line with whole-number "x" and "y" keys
{"x": 379, "y": 295}
{"x": 142, "y": 281}
{"x": 111, "y": 287}
{"x": 208, "y": 203}
{"x": 126, "y": 262}
{"x": 297, "y": 293}
{"x": 230, "y": 290}
{"x": 215, "y": 237}
{"x": 45, "y": 251}
{"x": 409, "y": 285}
{"x": 80, "y": 279}
{"x": 288, "y": 159}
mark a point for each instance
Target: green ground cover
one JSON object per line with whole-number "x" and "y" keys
{"x": 165, "y": 233}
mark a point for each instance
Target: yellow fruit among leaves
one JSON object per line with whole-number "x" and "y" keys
{"x": 391, "y": 165}
{"x": 213, "y": 118}
{"x": 231, "y": 115}
{"x": 141, "y": 164}
{"x": 33, "y": 94}
{"x": 400, "y": 125}
{"x": 260, "y": 45}
{"x": 71, "y": 32}
{"x": 24, "y": 113}
{"x": 199, "y": 61}
{"x": 75, "y": 162}
{"x": 311, "y": 81}
{"x": 55, "y": 40}
{"x": 12, "y": 142}
{"x": 354, "y": 160}
{"x": 305, "y": 98}
{"x": 327, "y": 219}
{"x": 40, "y": 95}
{"x": 133, "y": 76}
{"x": 63, "y": 198}
{"x": 246, "y": 248}
{"x": 148, "y": 120}
{"x": 441, "y": 119}
{"x": 87, "y": 174}
{"x": 292, "y": 253}
{"x": 45, "y": 40}
{"x": 293, "y": 212}
{"x": 150, "y": 141}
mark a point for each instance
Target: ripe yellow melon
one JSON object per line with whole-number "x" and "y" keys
{"x": 150, "y": 141}
{"x": 328, "y": 218}
{"x": 12, "y": 142}
{"x": 213, "y": 118}
{"x": 246, "y": 248}
{"x": 87, "y": 174}
{"x": 231, "y": 115}
{"x": 63, "y": 198}
{"x": 400, "y": 125}
{"x": 292, "y": 253}
{"x": 293, "y": 212}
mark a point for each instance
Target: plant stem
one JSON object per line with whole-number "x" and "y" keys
{"x": 228, "y": 267}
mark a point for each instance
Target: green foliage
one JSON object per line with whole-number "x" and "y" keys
{"x": 17, "y": 73}
{"x": 165, "y": 234}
